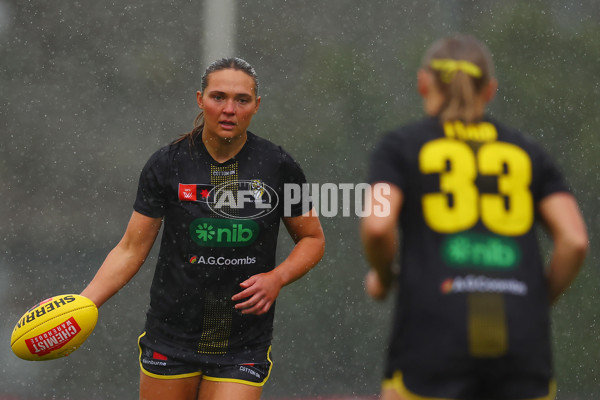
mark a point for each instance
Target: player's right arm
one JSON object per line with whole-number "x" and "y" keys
{"x": 379, "y": 235}
{"x": 565, "y": 224}
{"x": 125, "y": 260}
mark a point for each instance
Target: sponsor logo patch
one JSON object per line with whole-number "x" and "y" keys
{"x": 483, "y": 284}
{"x": 480, "y": 251}
{"x": 212, "y": 260}
{"x": 49, "y": 305}
{"x": 213, "y": 232}
{"x": 243, "y": 199}
{"x": 250, "y": 371}
{"x": 196, "y": 192}
{"x": 54, "y": 338}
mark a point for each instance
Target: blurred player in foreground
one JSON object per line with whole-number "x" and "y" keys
{"x": 471, "y": 316}
{"x": 219, "y": 190}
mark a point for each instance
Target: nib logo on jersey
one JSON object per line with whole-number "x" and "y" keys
{"x": 213, "y": 232}
{"x": 481, "y": 251}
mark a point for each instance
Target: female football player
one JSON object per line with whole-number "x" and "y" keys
{"x": 473, "y": 294}
{"x": 218, "y": 190}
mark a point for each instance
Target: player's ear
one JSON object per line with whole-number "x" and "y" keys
{"x": 423, "y": 82}
{"x": 199, "y": 99}
{"x": 490, "y": 90}
{"x": 257, "y": 104}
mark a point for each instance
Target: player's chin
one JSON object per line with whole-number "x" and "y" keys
{"x": 230, "y": 134}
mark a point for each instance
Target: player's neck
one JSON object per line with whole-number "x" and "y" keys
{"x": 222, "y": 149}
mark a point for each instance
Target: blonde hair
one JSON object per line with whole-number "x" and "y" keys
{"x": 462, "y": 67}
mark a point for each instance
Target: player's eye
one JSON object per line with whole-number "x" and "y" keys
{"x": 217, "y": 97}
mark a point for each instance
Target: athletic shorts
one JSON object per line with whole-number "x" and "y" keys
{"x": 470, "y": 387}
{"x": 250, "y": 367}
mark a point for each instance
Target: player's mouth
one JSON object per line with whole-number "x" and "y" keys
{"x": 226, "y": 124}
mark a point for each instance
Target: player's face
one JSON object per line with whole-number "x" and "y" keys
{"x": 229, "y": 102}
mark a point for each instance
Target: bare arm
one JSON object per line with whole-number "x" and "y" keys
{"x": 566, "y": 226}
{"x": 260, "y": 291}
{"x": 379, "y": 235}
{"x": 125, "y": 260}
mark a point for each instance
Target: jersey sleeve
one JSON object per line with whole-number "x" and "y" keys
{"x": 385, "y": 164}
{"x": 552, "y": 178}
{"x": 293, "y": 174}
{"x": 151, "y": 194}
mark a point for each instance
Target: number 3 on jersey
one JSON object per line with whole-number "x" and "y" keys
{"x": 459, "y": 204}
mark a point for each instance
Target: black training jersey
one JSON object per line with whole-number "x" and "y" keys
{"x": 471, "y": 282}
{"x": 221, "y": 224}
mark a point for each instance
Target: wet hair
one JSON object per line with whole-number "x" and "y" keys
{"x": 462, "y": 67}
{"x": 234, "y": 63}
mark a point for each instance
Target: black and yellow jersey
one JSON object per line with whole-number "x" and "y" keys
{"x": 221, "y": 223}
{"x": 471, "y": 282}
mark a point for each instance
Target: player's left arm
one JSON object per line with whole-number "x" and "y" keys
{"x": 565, "y": 224}
{"x": 260, "y": 291}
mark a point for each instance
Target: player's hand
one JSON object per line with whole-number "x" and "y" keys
{"x": 258, "y": 294}
{"x": 374, "y": 287}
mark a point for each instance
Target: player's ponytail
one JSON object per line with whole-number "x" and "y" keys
{"x": 224, "y": 63}
{"x": 197, "y": 131}
{"x": 462, "y": 67}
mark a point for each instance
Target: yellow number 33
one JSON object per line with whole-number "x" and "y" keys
{"x": 459, "y": 204}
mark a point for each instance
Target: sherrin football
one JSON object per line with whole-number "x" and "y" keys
{"x": 54, "y": 328}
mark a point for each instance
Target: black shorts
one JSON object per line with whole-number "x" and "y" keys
{"x": 480, "y": 385}
{"x": 160, "y": 360}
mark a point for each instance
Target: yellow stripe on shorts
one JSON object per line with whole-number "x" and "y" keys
{"x": 396, "y": 383}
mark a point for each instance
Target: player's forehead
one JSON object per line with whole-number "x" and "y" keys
{"x": 231, "y": 81}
